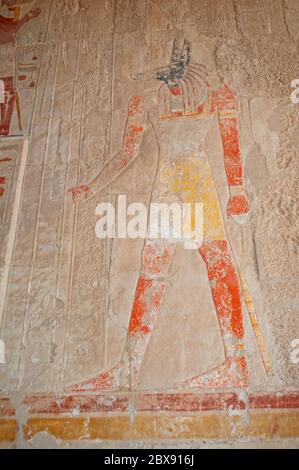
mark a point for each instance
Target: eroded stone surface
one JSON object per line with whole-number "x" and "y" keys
{"x": 67, "y": 69}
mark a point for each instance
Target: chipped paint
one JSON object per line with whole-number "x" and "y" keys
{"x": 109, "y": 340}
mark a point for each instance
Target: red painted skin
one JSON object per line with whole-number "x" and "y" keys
{"x": 7, "y": 107}
{"x": 223, "y": 279}
{"x": 156, "y": 260}
{"x": 9, "y": 27}
{"x": 2, "y": 181}
{"x": 135, "y": 106}
{"x": 225, "y": 101}
{"x": 132, "y": 138}
{"x": 140, "y": 308}
{"x": 238, "y": 205}
{"x": 176, "y": 91}
{"x": 79, "y": 190}
{"x": 155, "y": 265}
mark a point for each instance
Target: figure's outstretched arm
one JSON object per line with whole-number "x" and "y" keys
{"x": 136, "y": 122}
{"x": 10, "y": 27}
{"x": 226, "y": 104}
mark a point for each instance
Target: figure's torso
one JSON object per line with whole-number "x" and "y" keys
{"x": 183, "y": 172}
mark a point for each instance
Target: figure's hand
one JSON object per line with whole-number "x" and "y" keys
{"x": 79, "y": 193}
{"x": 238, "y": 206}
{"x": 33, "y": 13}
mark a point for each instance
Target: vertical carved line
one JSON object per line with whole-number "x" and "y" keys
{"x": 26, "y": 319}
{"x": 14, "y": 228}
{"x": 12, "y": 232}
{"x": 108, "y": 243}
{"x": 75, "y": 219}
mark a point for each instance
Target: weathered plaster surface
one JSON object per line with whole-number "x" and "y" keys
{"x": 66, "y": 296}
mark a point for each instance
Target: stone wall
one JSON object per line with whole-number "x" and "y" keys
{"x": 81, "y": 94}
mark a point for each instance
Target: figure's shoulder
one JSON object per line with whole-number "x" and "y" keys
{"x": 137, "y": 105}
{"x": 222, "y": 92}
{"x": 141, "y": 103}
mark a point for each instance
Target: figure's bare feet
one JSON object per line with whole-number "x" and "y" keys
{"x": 232, "y": 373}
{"x": 110, "y": 380}
{"x": 238, "y": 208}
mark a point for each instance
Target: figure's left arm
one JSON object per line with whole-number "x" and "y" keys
{"x": 226, "y": 104}
{"x": 9, "y": 27}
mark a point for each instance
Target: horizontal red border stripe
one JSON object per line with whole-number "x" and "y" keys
{"x": 6, "y": 409}
{"x": 108, "y": 402}
{"x": 274, "y": 400}
{"x": 76, "y": 403}
{"x": 188, "y": 402}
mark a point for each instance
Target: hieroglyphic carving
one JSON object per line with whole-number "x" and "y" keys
{"x": 69, "y": 7}
{"x": 130, "y": 16}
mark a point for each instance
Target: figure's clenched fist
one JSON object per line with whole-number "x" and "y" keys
{"x": 238, "y": 207}
{"x": 79, "y": 193}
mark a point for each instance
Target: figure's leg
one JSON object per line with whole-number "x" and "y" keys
{"x": 227, "y": 299}
{"x": 2, "y": 109}
{"x": 19, "y": 111}
{"x": 7, "y": 111}
{"x": 150, "y": 289}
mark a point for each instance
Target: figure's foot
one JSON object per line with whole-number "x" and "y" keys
{"x": 232, "y": 373}
{"x": 4, "y": 131}
{"x": 110, "y": 380}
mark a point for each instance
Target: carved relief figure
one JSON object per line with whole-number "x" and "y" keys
{"x": 178, "y": 102}
{"x": 8, "y": 99}
{"x": 15, "y": 16}
{"x": 10, "y": 25}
